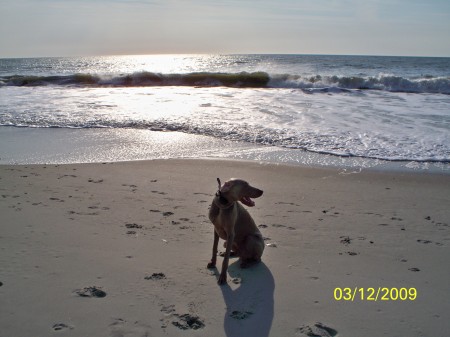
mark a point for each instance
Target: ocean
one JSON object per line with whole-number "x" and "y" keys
{"x": 311, "y": 109}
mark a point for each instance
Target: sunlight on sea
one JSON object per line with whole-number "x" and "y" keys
{"x": 390, "y": 108}
{"x": 162, "y": 64}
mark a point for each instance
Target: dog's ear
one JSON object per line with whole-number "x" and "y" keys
{"x": 226, "y": 187}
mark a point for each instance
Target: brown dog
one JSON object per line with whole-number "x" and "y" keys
{"x": 234, "y": 224}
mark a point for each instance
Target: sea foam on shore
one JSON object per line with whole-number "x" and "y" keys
{"x": 66, "y": 146}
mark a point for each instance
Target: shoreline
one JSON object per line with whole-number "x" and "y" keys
{"x": 26, "y": 146}
{"x": 138, "y": 231}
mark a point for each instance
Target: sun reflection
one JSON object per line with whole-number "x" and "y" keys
{"x": 164, "y": 64}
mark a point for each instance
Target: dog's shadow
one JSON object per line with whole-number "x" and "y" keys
{"x": 249, "y": 300}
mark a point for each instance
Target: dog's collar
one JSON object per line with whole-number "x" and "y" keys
{"x": 222, "y": 202}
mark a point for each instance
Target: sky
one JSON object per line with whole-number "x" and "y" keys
{"x": 31, "y": 28}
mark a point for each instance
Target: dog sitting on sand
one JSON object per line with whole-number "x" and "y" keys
{"x": 234, "y": 224}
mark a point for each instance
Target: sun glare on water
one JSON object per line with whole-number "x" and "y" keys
{"x": 161, "y": 64}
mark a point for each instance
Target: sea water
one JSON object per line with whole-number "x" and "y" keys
{"x": 282, "y": 108}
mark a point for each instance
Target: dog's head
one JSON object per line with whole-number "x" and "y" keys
{"x": 239, "y": 190}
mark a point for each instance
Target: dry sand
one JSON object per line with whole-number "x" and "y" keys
{"x": 121, "y": 250}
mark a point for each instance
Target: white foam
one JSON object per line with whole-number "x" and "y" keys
{"x": 318, "y": 106}
{"x": 391, "y": 126}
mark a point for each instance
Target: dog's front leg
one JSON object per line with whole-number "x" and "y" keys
{"x": 223, "y": 273}
{"x": 212, "y": 263}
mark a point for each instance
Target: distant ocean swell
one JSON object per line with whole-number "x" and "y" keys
{"x": 310, "y": 84}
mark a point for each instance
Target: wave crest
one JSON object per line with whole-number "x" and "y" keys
{"x": 261, "y": 79}
{"x": 204, "y": 79}
{"x": 426, "y": 84}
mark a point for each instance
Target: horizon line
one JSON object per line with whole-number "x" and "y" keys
{"x": 231, "y": 53}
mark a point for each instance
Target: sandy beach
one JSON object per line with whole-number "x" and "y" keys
{"x": 120, "y": 249}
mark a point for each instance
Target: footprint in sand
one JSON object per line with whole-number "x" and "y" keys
{"x": 61, "y": 327}
{"x": 168, "y": 309}
{"x": 133, "y": 225}
{"x": 159, "y": 192}
{"x": 182, "y": 322}
{"x": 349, "y": 253}
{"x": 67, "y": 176}
{"x": 201, "y": 193}
{"x": 83, "y": 213}
{"x": 236, "y": 314}
{"x": 428, "y": 241}
{"x": 316, "y": 330}
{"x": 287, "y": 203}
{"x": 345, "y": 240}
{"x": 156, "y": 276}
{"x": 187, "y": 321}
{"x": 121, "y": 327}
{"x": 90, "y": 292}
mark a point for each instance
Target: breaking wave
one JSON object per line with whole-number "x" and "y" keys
{"x": 426, "y": 84}
{"x": 311, "y": 84}
{"x": 204, "y": 79}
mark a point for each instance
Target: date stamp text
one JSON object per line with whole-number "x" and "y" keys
{"x": 375, "y": 294}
